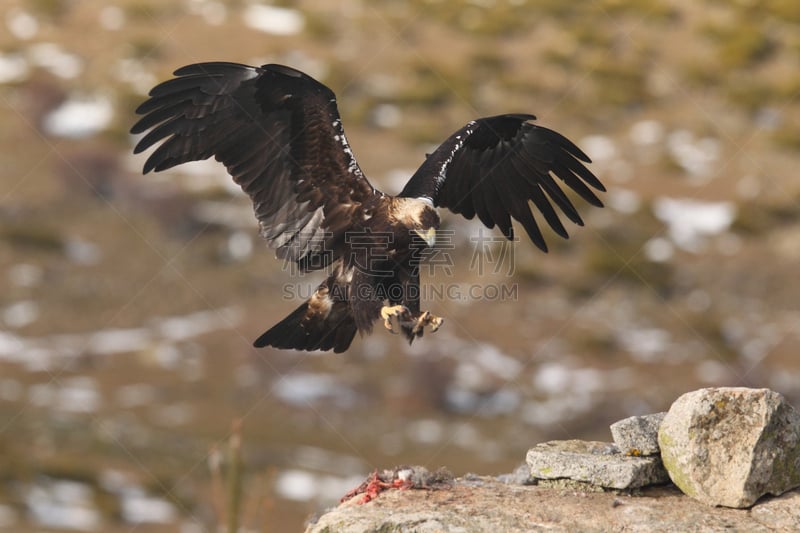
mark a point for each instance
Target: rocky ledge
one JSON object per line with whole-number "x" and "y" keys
{"x": 722, "y": 447}
{"x": 480, "y": 504}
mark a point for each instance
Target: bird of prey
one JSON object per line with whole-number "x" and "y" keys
{"x": 279, "y": 134}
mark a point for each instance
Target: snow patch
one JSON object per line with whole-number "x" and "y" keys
{"x": 273, "y": 20}
{"x": 690, "y": 222}
{"x": 79, "y": 117}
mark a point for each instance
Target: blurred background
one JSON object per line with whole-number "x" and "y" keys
{"x": 129, "y": 303}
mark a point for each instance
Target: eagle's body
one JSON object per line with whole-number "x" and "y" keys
{"x": 377, "y": 259}
{"x": 279, "y": 134}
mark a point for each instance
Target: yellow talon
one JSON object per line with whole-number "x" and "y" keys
{"x": 395, "y": 317}
{"x": 389, "y": 310}
{"x": 391, "y": 316}
{"x": 427, "y": 319}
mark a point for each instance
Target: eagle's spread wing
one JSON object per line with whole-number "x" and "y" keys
{"x": 279, "y": 134}
{"x": 495, "y": 166}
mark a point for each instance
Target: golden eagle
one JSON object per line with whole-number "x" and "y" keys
{"x": 279, "y": 134}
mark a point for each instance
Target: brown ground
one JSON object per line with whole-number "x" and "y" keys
{"x": 726, "y": 314}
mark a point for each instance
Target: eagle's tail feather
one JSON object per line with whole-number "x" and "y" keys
{"x": 305, "y": 329}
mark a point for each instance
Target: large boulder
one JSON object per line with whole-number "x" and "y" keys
{"x": 730, "y": 446}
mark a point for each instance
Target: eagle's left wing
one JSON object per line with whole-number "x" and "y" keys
{"x": 279, "y": 134}
{"x": 494, "y": 167}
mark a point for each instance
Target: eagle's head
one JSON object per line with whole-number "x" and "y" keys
{"x": 427, "y": 222}
{"x": 418, "y": 216}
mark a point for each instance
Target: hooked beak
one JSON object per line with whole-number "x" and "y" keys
{"x": 429, "y": 236}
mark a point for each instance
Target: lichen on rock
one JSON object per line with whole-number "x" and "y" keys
{"x": 730, "y": 446}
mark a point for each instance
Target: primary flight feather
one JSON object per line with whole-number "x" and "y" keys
{"x": 279, "y": 134}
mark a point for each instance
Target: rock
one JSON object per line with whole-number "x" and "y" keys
{"x": 637, "y": 435}
{"x": 597, "y": 463}
{"x": 730, "y": 446}
{"x": 520, "y": 476}
{"x": 486, "y": 504}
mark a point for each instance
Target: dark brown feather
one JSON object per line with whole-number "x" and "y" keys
{"x": 493, "y": 166}
{"x": 279, "y": 134}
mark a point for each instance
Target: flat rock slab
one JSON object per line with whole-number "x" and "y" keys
{"x": 596, "y": 463}
{"x": 731, "y": 445}
{"x": 638, "y": 435}
{"x": 478, "y": 505}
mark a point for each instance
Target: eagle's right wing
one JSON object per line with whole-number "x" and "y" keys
{"x": 499, "y": 167}
{"x": 279, "y": 134}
